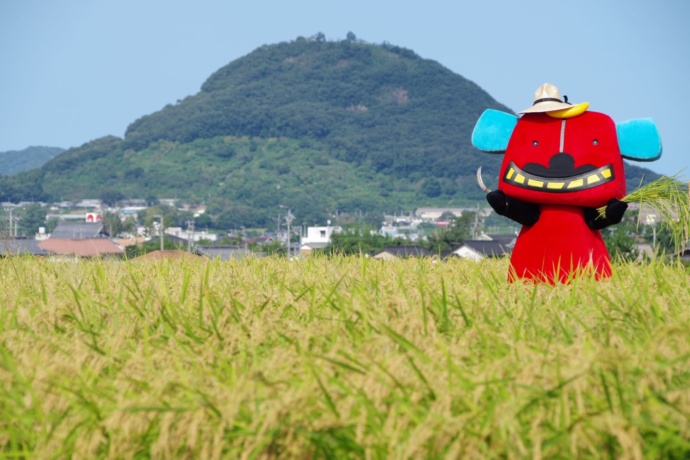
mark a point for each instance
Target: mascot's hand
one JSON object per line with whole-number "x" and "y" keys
{"x": 614, "y": 214}
{"x": 520, "y": 211}
{"x": 497, "y": 200}
{"x": 615, "y": 210}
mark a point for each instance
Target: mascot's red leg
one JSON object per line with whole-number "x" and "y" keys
{"x": 559, "y": 247}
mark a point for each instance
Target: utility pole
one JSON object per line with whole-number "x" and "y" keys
{"x": 288, "y": 219}
{"x": 161, "y": 229}
{"x": 190, "y": 234}
{"x": 651, "y": 220}
{"x": 476, "y": 223}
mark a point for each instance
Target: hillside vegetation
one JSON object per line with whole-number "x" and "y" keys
{"x": 318, "y": 126}
{"x": 14, "y": 161}
{"x": 382, "y": 106}
{"x": 246, "y": 178}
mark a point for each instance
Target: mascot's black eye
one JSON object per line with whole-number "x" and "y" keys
{"x": 535, "y": 143}
{"x": 595, "y": 142}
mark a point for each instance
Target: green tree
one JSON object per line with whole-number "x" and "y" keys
{"x": 115, "y": 225}
{"x": 620, "y": 242}
{"x": 431, "y": 187}
{"x": 359, "y": 240}
{"x": 204, "y": 220}
{"x": 235, "y": 217}
{"x": 31, "y": 218}
{"x": 621, "y": 239}
{"x": 459, "y": 230}
{"x": 151, "y": 216}
{"x": 111, "y": 197}
{"x": 151, "y": 245}
{"x": 657, "y": 235}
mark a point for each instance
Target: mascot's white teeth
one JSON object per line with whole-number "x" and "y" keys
{"x": 519, "y": 178}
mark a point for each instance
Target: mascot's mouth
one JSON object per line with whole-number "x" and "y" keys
{"x": 590, "y": 179}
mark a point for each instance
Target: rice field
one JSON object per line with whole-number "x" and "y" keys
{"x": 340, "y": 358}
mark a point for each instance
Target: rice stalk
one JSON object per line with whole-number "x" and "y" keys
{"x": 670, "y": 199}
{"x": 308, "y": 359}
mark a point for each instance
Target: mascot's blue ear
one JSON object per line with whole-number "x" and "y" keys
{"x": 639, "y": 139}
{"x": 493, "y": 130}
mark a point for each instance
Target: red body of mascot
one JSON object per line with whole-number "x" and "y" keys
{"x": 561, "y": 163}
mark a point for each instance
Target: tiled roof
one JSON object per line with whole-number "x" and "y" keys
{"x": 506, "y": 240}
{"x": 168, "y": 254}
{"x": 406, "y": 251}
{"x": 124, "y": 242}
{"x": 260, "y": 239}
{"x": 223, "y": 252}
{"x": 21, "y": 246}
{"x": 487, "y": 248}
{"x": 73, "y": 230}
{"x": 86, "y": 247}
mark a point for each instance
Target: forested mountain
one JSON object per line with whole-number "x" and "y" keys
{"x": 15, "y": 161}
{"x": 382, "y": 106}
{"x": 318, "y": 126}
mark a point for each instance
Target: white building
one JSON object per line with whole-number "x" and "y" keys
{"x": 408, "y": 233}
{"x": 189, "y": 235}
{"x": 317, "y": 238}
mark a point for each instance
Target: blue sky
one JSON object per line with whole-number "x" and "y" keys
{"x": 75, "y": 70}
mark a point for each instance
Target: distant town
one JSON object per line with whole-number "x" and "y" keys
{"x": 90, "y": 228}
{"x": 35, "y": 227}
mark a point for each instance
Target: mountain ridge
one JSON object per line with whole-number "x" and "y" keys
{"x": 14, "y": 161}
{"x": 314, "y": 125}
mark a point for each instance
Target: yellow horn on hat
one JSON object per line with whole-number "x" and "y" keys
{"x": 570, "y": 112}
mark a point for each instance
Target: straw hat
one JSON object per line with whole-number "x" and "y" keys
{"x": 547, "y": 98}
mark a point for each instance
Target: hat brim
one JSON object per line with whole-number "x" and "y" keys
{"x": 548, "y": 106}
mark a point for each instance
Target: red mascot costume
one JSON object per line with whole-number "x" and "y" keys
{"x": 561, "y": 163}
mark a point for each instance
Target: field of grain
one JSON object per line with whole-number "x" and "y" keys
{"x": 340, "y": 358}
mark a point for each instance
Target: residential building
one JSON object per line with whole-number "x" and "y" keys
{"x": 480, "y": 249}
{"x": 402, "y": 252}
{"x": 407, "y": 232}
{"x": 84, "y": 247}
{"x": 433, "y": 214}
{"x": 79, "y": 230}
{"x": 21, "y": 246}
{"x": 317, "y": 238}
{"x": 190, "y": 235}
{"x": 223, "y": 252}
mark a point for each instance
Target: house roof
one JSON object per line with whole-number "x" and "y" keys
{"x": 223, "y": 252}
{"x": 132, "y": 241}
{"x": 307, "y": 246}
{"x": 260, "y": 239}
{"x": 506, "y": 239}
{"x": 20, "y": 247}
{"x": 78, "y": 230}
{"x": 168, "y": 254}
{"x": 485, "y": 248}
{"x": 405, "y": 251}
{"x": 83, "y": 247}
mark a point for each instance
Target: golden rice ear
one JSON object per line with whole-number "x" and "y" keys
{"x": 670, "y": 200}
{"x": 493, "y": 130}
